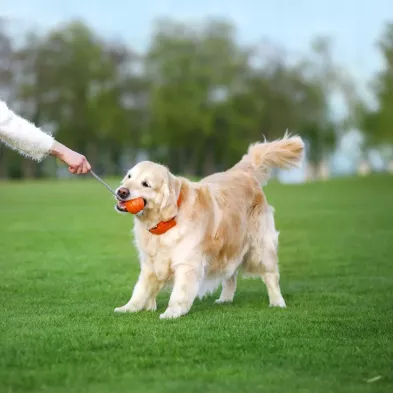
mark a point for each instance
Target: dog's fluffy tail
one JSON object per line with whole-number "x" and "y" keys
{"x": 262, "y": 157}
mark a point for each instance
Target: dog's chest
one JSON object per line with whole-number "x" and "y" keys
{"x": 162, "y": 269}
{"x": 159, "y": 256}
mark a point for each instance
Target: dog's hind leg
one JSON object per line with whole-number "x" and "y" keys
{"x": 271, "y": 279}
{"x": 264, "y": 262}
{"x": 228, "y": 290}
{"x": 262, "y": 259}
{"x": 269, "y": 248}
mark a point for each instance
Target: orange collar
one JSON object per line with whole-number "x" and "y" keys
{"x": 164, "y": 226}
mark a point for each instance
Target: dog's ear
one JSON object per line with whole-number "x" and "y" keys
{"x": 171, "y": 191}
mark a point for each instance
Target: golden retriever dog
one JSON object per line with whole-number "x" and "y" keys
{"x": 195, "y": 236}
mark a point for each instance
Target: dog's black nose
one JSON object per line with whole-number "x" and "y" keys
{"x": 123, "y": 192}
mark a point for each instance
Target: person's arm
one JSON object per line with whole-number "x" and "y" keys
{"x": 23, "y": 136}
{"x": 77, "y": 163}
{"x": 30, "y": 141}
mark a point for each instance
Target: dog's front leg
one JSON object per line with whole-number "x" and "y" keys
{"x": 185, "y": 289}
{"x": 144, "y": 294}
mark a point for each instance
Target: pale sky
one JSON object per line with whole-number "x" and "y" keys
{"x": 354, "y": 25}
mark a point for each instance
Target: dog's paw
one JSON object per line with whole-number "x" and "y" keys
{"x": 223, "y": 301}
{"x": 151, "y": 305}
{"x": 128, "y": 308}
{"x": 280, "y": 302}
{"x": 172, "y": 313}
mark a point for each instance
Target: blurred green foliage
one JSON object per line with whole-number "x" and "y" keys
{"x": 194, "y": 100}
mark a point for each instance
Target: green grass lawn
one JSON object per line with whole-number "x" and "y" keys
{"x": 67, "y": 260}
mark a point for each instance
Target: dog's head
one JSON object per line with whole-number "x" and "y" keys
{"x": 158, "y": 188}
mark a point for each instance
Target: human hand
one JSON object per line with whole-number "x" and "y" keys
{"x": 77, "y": 163}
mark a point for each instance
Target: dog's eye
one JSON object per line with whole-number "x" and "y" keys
{"x": 129, "y": 176}
{"x": 145, "y": 184}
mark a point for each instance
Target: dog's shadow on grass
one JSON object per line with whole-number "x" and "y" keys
{"x": 253, "y": 300}
{"x": 247, "y": 301}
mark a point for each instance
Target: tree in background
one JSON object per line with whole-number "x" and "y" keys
{"x": 80, "y": 86}
{"x": 194, "y": 101}
{"x": 193, "y": 71}
{"x": 209, "y": 100}
{"x": 378, "y": 124}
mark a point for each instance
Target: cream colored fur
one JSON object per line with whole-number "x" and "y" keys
{"x": 224, "y": 226}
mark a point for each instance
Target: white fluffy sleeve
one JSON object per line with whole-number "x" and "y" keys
{"x": 23, "y": 136}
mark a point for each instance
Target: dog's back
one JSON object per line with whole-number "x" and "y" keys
{"x": 237, "y": 191}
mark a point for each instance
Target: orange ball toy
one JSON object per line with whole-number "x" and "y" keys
{"x": 134, "y": 206}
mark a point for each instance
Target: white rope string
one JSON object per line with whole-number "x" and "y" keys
{"x": 110, "y": 189}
